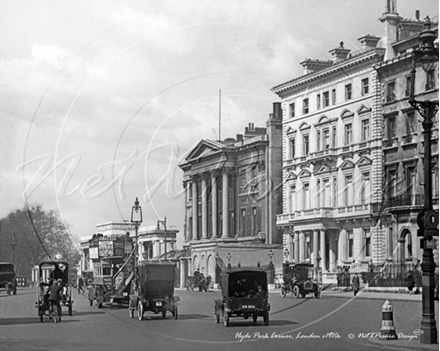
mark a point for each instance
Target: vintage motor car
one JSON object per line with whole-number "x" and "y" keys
{"x": 58, "y": 270}
{"x": 154, "y": 290}
{"x": 244, "y": 294}
{"x": 8, "y": 278}
{"x": 299, "y": 280}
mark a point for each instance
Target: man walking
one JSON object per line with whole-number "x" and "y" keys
{"x": 356, "y": 284}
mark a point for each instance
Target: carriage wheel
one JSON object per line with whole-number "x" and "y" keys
{"x": 140, "y": 310}
{"x": 283, "y": 291}
{"x": 266, "y": 319}
{"x": 296, "y": 291}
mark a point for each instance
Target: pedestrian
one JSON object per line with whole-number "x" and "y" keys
{"x": 410, "y": 282}
{"x": 80, "y": 284}
{"x": 356, "y": 284}
{"x": 55, "y": 292}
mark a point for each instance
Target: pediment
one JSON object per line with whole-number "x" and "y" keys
{"x": 363, "y": 109}
{"x": 347, "y": 165}
{"x": 290, "y": 130}
{"x": 364, "y": 161}
{"x": 323, "y": 169}
{"x": 204, "y": 148}
{"x": 304, "y": 173}
{"x": 291, "y": 176}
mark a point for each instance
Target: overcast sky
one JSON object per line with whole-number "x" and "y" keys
{"x": 101, "y": 100}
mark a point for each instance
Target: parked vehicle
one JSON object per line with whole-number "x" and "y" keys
{"x": 59, "y": 270}
{"x": 244, "y": 294}
{"x": 299, "y": 280}
{"x": 154, "y": 290}
{"x": 8, "y": 278}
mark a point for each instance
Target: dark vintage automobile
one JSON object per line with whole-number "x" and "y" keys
{"x": 244, "y": 294}
{"x": 59, "y": 270}
{"x": 299, "y": 280}
{"x": 8, "y": 278}
{"x": 154, "y": 290}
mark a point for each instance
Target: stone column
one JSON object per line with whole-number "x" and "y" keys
{"x": 332, "y": 256}
{"x": 301, "y": 246}
{"x": 322, "y": 251}
{"x": 296, "y": 241}
{"x": 315, "y": 253}
{"x": 214, "y": 204}
{"x": 342, "y": 252}
{"x": 225, "y": 209}
{"x": 204, "y": 209}
{"x": 194, "y": 209}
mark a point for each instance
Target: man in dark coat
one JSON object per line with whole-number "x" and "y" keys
{"x": 356, "y": 284}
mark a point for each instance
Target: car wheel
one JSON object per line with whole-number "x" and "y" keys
{"x": 140, "y": 310}
{"x": 296, "y": 291}
{"x": 283, "y": 292}
{"x": 266, "y": 319}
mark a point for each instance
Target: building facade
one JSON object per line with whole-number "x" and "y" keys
{"x": 335, "y": 156}
{"x": 403, "y": 146}
{"x": 232, "y": 196}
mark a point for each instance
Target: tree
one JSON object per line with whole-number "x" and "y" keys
{"x": 40, "y": 235}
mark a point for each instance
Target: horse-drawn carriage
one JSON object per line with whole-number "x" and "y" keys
{"x": 57, "y": 270}
{"x": 244, "y": 294}
{"x": 198, "y": 281}
{"x": 154, "y": 290}
{"x": 299, "y": 280}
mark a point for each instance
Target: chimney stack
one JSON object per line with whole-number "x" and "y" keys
{"x": 339, "y": 54}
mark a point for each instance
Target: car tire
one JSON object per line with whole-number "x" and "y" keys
{"x": 283, "y": 292}
{"x": 140, "y": 310}
{"x": 296, "y": 291}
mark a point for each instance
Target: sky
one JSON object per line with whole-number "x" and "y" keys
{"x": 102, "y": 100}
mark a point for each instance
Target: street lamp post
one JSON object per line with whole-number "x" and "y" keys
{"x": 229, "y": 260}
{"x": 164, "y": 222}
{"x": 136, "y": 219}
{"x": 426, "y": 55}
{"x": 13, "y": 245}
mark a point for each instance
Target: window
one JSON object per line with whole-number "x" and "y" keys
{"x": 410, "y": 123}
{"x": 318, "y": 140}
{"x": 408, "y": 86}
{"x": 348, "y": 190}
{"x": 334, "y": 96}
{"x": 430, "y": 80}
{"x": 391, "y": 91}
{"x": 348, "y": 134}
{"x": 348, "y": 92}
{"x": 306, "y": 200}
{"x": 365, "y": 129}
{"x": 318, "y": 101}
{"x": 292, "y": 148}
{"x": 243, "y": 177}
{"x": 335, "y": 192}
{"x": 292, "y": 110}
{"x": 350, "y": 241}
{"x": 190, "y": 193}
{"x": 391, "y": 127}
{"x": 318, "y": 193}
{"x": 326, "y": 99}
{"x": 326, "y": 138}
{"x": 390, "y": 242}
{"x": 306, "y": 106}
{"x": 365, "y": 188}
{"x": 306, "y": 145}
{"x": 365, "y": 87}
{"x": 367, "y": 238}
{"x": 333, "y": 136}
{"x": 292, "y": 198}
{"x": 391, "y": 183}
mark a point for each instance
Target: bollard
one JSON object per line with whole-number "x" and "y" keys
{"x": 388, "y": 331}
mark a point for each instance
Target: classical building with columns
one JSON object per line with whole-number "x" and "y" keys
{"x": 232, "y": 196}
{"x": 334, "y": 157}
